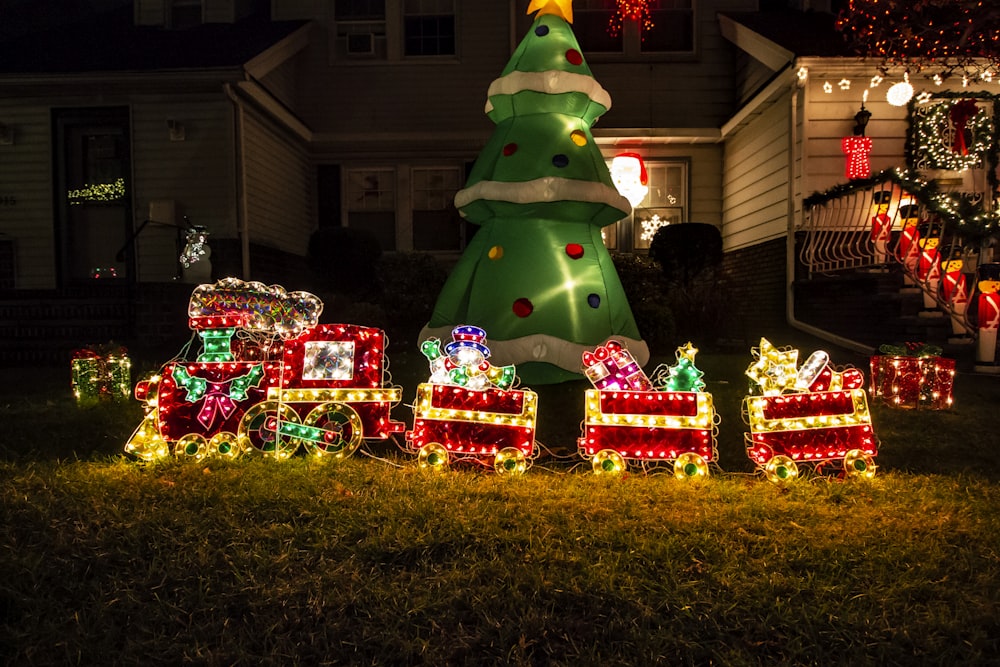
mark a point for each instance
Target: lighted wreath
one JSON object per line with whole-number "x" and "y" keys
{"x": 953, "y": 134}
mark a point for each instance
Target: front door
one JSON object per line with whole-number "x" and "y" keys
{"x": 93, "y": 195}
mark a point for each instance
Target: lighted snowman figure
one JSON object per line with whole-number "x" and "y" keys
{"x": 464, "y": 361}
{"x": 988, "y": 316}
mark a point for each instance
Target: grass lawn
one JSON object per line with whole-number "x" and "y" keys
{"x": 372, "y": 561}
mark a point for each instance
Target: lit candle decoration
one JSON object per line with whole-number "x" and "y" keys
{"x": 810, "y": 415}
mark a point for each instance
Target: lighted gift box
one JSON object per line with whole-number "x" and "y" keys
{"x": 913, "y": 382}
{"x": 100, "y": 374}
{"x": 493, "y": 425}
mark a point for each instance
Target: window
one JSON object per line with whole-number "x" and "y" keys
{"x": 665, "y": 204}
{"x": 591, "y": 19}
{"x": 673, "y": 27}
{"x": 185, "y": 14}
{"x": 371, "y": 203}
{"x": 383, "y": 30}
{"x": 429, "y": 28}
{"x": 672, "y": 31}
{"x": 361, "y": 28}
{"x": 436, "y": 222}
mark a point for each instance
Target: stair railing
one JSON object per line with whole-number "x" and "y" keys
{"x": 892, "y": 219}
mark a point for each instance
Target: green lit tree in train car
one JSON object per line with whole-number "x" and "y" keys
{"x": 537, "y": 276}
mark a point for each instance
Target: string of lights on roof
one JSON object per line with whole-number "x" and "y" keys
{"x": 941, "y": 38}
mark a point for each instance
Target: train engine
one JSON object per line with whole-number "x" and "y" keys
{"x": 268, "y": 379}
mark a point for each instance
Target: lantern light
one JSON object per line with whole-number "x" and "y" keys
{"x": 899, "y": 94}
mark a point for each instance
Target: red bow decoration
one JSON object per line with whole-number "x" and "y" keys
{"x": 217, "y": 400}
{"x": 961, "y": 113}
{"x": 601, "y": 353}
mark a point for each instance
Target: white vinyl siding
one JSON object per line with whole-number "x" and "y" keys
{"x": 197, "y": 174}
{"x": 26, "y": 186}
{"x": 280, "y": 188}
{"x": 755, "y": 182}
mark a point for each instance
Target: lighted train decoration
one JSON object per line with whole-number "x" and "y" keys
{"x": 269, "y": 379}
{"x": 808, "y": 415}
{"x": 632, "y": 419}
{"x": 469, "y": 410}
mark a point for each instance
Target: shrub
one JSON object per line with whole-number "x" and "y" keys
{"x": 687, "y": 251}
{"x": 344, "y": 259}
{"x": 409, "y": 284}
{"x": 647, "y": 296}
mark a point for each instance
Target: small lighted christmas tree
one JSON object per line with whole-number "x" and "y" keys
{"x": 537, "y": 274}
{"x": 684, "y": 376}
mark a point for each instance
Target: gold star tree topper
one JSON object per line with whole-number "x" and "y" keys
{"x": 561, "y": 8}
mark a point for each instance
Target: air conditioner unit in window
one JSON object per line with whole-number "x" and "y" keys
{"x": 361, "y": 44}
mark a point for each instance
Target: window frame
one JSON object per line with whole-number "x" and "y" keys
{"x": 390, "y": 47}
{"x": 631, "y": 38}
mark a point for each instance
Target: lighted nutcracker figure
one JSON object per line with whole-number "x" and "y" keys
{"x": 908, "y": 251}
{"x": 881, "y": 232}
{"x": 988, "y": 318}
{"x": 955, "y": 294}
{"x": 929, "y": 269}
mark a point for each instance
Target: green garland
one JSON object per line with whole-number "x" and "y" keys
{"x": 956, "y": 211}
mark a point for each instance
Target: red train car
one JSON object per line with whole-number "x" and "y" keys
{"x": 491, "y": 426}
{"x": 649, "y": 427}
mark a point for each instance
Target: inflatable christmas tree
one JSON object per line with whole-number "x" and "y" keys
{"x": 537, "y": 274}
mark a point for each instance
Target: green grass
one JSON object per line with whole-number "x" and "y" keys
{"x": 106, "y": 561}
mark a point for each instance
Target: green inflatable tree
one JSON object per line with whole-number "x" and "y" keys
{"x": 536, "y": 276}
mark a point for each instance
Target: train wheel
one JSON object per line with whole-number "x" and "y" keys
{"x": 433, "y": 456}
{"x": 690, "y": 466}
{"x": 859, "y": 464}
{"x": 191, "y": 446}
{"x": 510, "y": 461}
{"x": 225, "y": 444}
{"x": 608, "y": 462}
{"x": 781, "y": 470}
{"x": 340, "y": 430}
{"x": 259, "y": 430}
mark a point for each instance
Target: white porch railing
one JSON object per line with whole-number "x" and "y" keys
{"x": 895, "y": 220}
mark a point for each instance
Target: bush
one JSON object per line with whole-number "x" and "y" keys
{"x": 344, "y": 260}
{"x": 647, "y": 296}
{"x": 409, "y": 285}
{"x": 686, "y": 252}
{"x": 690, "y": 259}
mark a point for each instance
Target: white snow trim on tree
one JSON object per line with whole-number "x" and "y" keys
{"x": 553, "y": 82}
{"x": 546, "y": 189}
{"x": 544, "y": 348}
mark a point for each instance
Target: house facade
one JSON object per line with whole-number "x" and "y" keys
{"x": 261, "y": 122}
